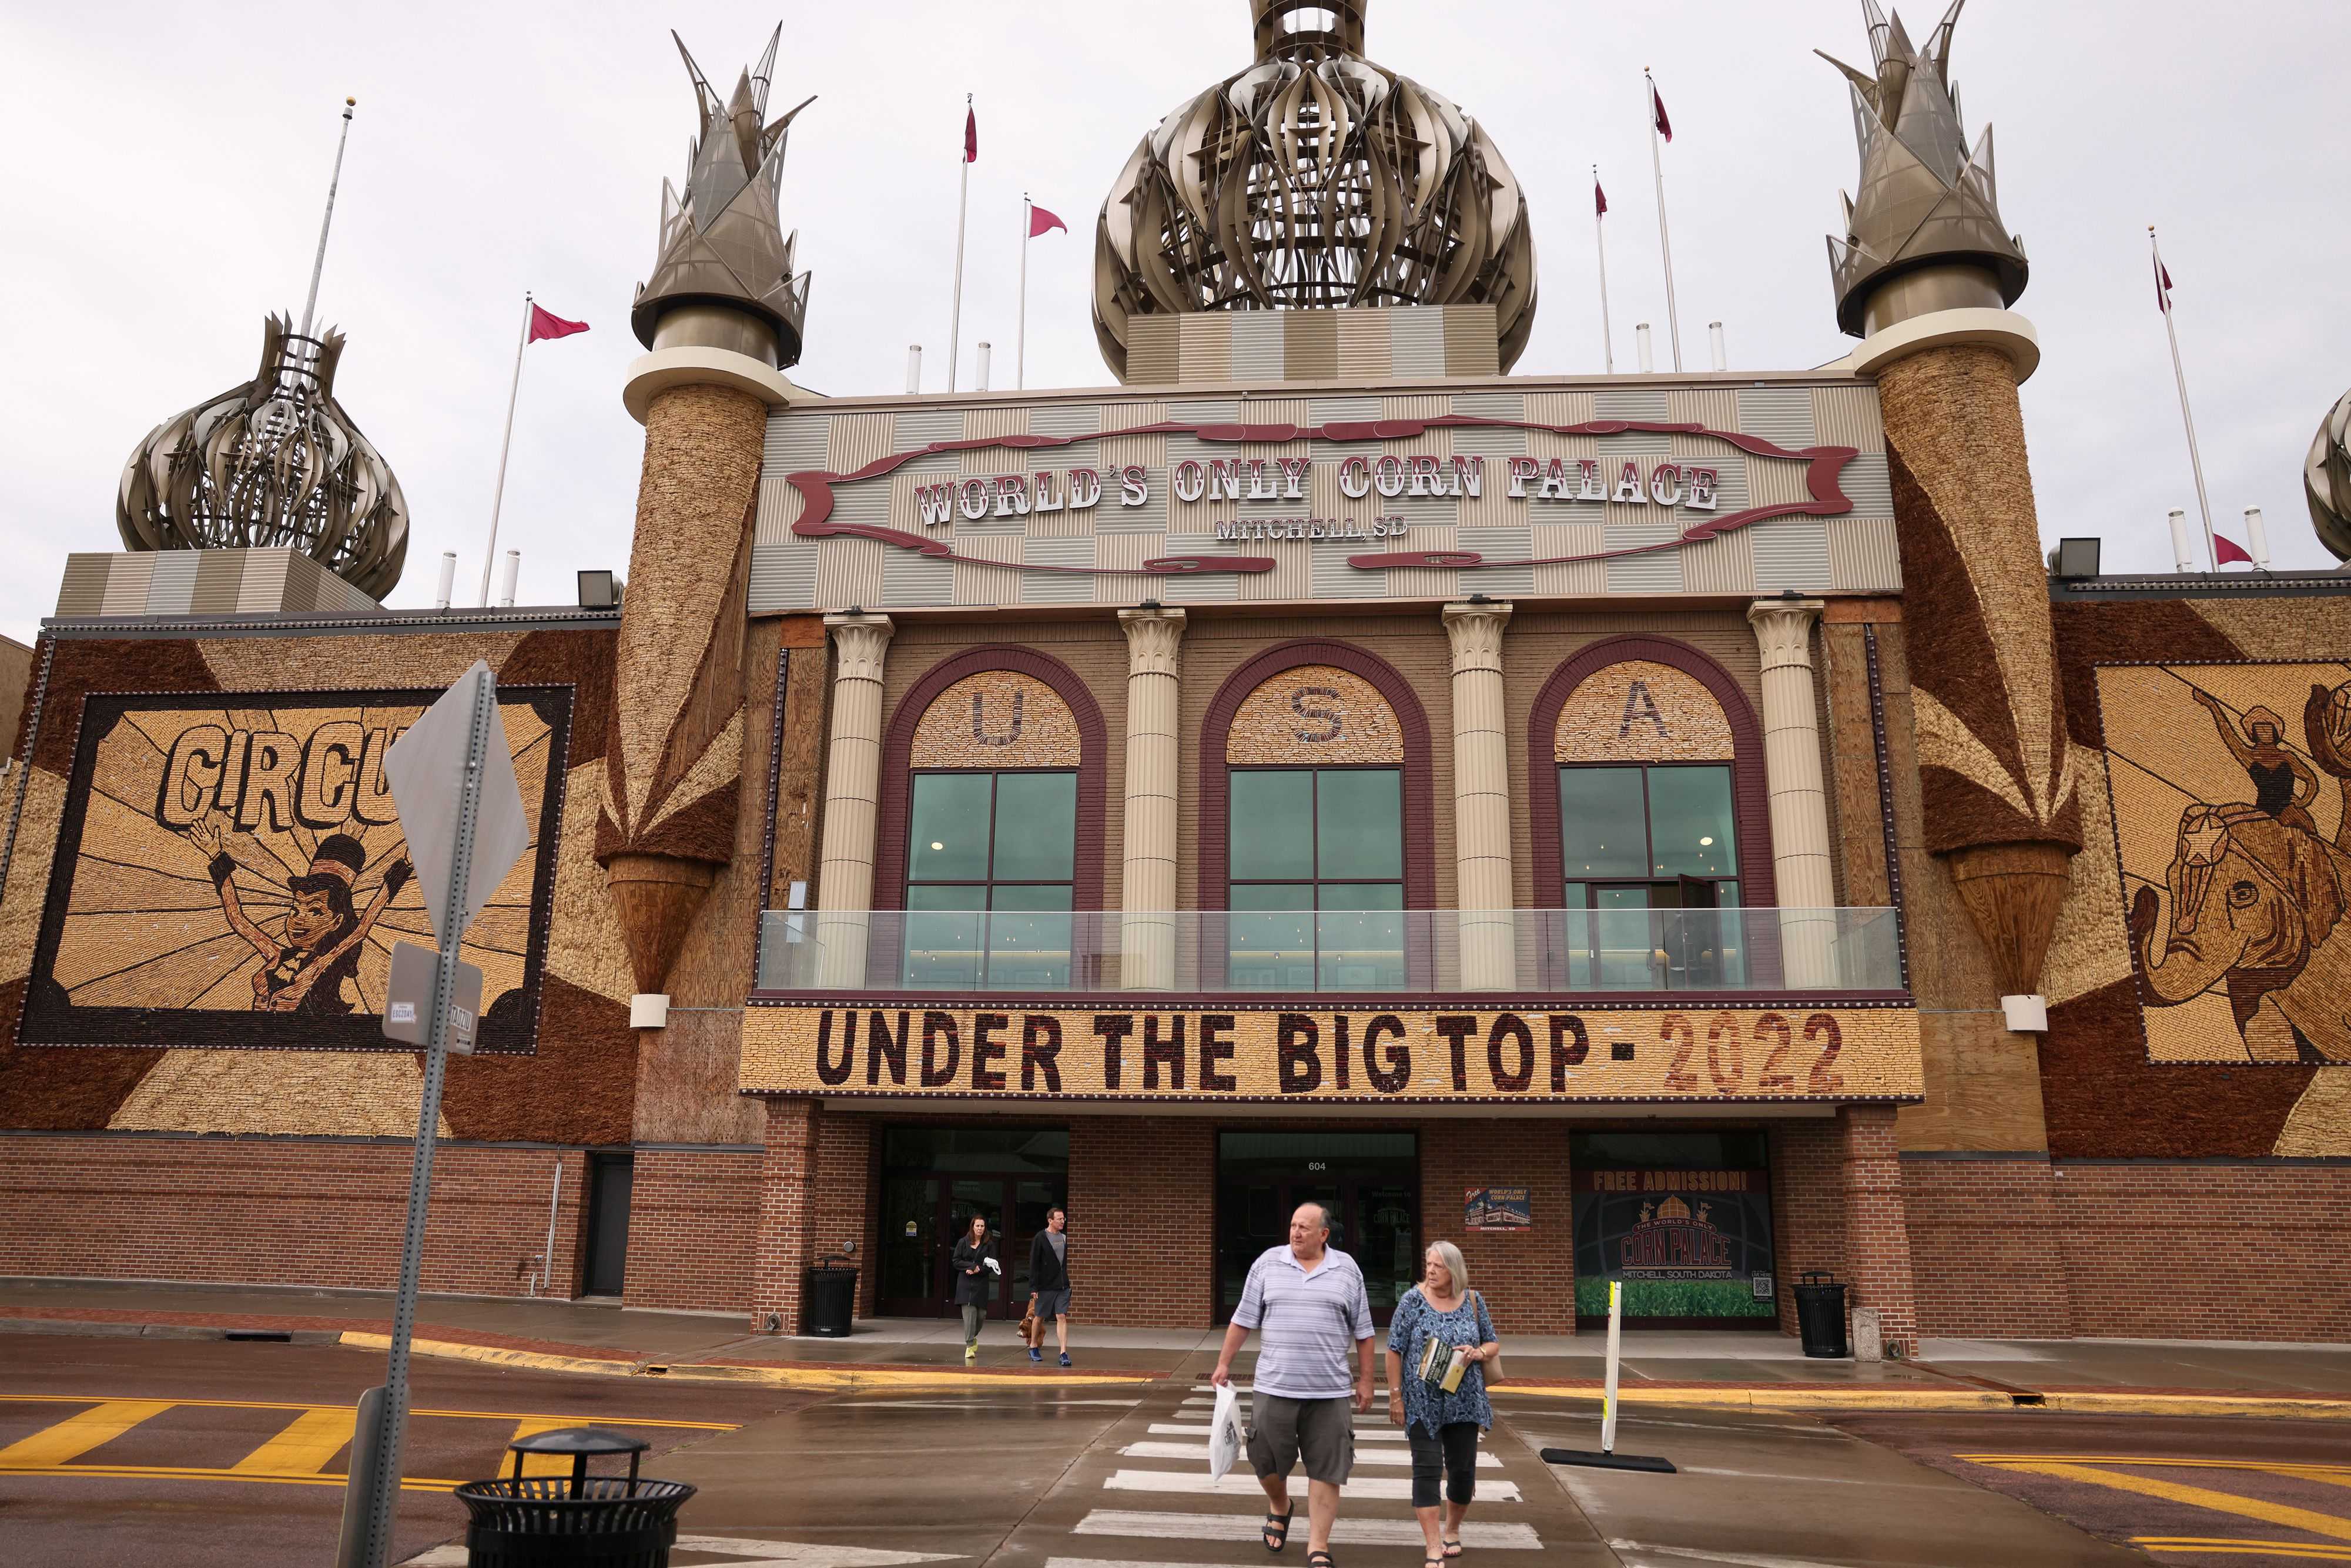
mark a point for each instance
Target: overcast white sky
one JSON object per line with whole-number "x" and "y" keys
{"x": 169, "y": 162}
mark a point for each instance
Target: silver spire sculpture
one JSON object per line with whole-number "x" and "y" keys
{"x": 1314, "y": 179}
{"x": 2326, "y": 479}
{"x": 724, "y": 253}
{"x": 275, "y": 462}
{"x": 1925, "y": 233}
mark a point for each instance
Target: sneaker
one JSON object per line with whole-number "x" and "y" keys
{"x": 1036, "y": 1356}
{"x": 970, "y": 1354}
{"x": 1065, "y": 1358}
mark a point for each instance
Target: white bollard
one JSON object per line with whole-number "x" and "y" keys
{"x": 913, "y": 368}
{"x": 448, "y": 580}
{"x": 509, "y": 571}
{"x": 2257, "y": 538}
{"x": 1714, "y": 335}
{"x": 984, "y": 352}
{"x": 1641, "y": 336}
{"x": 2180, "y": 552}
{"x": 1615, "y": 1336}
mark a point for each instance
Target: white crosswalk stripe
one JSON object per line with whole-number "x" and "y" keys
{"x": 1199, "y": 1451}
{"x": 1476, "y": 1534}
{"x": 1376, "y": 1488}
{"x": 1193, "y": 1429}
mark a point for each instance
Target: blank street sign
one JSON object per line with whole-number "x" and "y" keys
{"x": 427, "y": 770}
{"x": 408, "y": 1000}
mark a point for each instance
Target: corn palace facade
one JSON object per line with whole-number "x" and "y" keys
{"x": 1663, "y": 827}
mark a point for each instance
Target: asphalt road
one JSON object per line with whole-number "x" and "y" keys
{"x": 151, "y": 1453}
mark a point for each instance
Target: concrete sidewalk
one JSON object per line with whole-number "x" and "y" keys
{"x": 1734, "y": 1369}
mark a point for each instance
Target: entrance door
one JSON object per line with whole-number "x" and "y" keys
{"x": 1369, "y": 1183}
{"x": 934, "y": 1179}
{"x": 610, "y": 1179}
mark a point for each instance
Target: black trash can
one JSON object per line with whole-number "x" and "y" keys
{"x": 577, "y": 1520}
{"x": 1820, "y": 1315}
{"x": 827, "y": 1300}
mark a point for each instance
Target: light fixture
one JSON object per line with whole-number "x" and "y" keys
{"x": 937, "y": 845}
{"x": 1705, "y": 840}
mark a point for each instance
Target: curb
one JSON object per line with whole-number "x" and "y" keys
{"x": 90, "y": 1329}
{"x": 826, "y": 1380}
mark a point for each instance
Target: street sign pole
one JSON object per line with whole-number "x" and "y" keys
{"x": 387, "y": 1468}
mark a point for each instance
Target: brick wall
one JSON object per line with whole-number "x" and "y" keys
{"x": 1143, "y": 1210}
{"x": 1528, "y": 1277}
{"x": 1876, "y": 1232}
{"x": 693, "y": 1217}
{"x": 1988, "y": 1249}
{"x": 280, "y": 1212}
{"x": 840, "y": 1192}
{"x": 1807, "y": 1207}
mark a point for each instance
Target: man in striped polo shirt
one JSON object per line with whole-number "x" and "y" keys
{"x": 1308, "y": 1300}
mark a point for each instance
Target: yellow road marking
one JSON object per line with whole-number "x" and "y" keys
{"x": 79, "y": 1434}
{"x": 177, "y": 1473}
{"x": 2229, "y": 1545}
{"x": 574, "y": 1421}
{"x": 541, "y": 1464}
{"x": 2291, "y": 1518}
{"x": 2278, "y": 1467}
{"x": 305, "y": 1445}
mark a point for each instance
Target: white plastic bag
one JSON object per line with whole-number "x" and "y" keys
{"x": 1225, "y": 1432}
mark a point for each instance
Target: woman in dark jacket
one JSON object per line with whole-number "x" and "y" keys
{"x": 974, "y": 1285}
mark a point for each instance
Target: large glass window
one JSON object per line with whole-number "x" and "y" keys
{"x": 990, "y": 876}
{"x": 1651, "y": 889}
{"x": 1315, "y": 880}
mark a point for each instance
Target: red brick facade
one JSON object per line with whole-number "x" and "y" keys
{"x": 1528, "y": 1277}
{"x": 281, "y": 1211}
{"x": 1988, "y": 1248}
{"x": 693, "y": 1217}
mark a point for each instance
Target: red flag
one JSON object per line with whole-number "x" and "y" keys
{"x": 2228, "y": 550}
{"x": 1042, "y": 222}
{"x": 970, "y": 137}
{"x": 1599, "y": 201}
{"x": 2163, "y": 302}
{"x": 1664, "y": 126}
{"x": 545, "y": 323}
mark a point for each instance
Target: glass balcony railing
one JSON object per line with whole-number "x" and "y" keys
{"x": 1338, "y": 951}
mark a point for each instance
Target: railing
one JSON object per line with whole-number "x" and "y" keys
{"x": 1422, "y": 950}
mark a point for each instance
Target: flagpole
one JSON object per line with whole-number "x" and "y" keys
{"x": 1665, "y": 245}
{"x": 2195, "y": 460}
{"x": 505, "y": 444}
{"x": 318, "y": 263}
{"x": 1020, "y": 335}
{"x": 1600, "y": 242}
{"x": 963, "y": 205}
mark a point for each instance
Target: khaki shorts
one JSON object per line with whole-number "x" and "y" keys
{"x": 1321, "y": 1431}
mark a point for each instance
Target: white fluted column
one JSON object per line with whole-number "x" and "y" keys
{"x": 844, "y": 886}
{"x": 1483, "y": 895}
{"x": 1154, "y": 640}
{"x": 1799, "y": 807}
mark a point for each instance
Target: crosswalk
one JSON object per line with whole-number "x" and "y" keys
{"x": 1155, "y": 1491}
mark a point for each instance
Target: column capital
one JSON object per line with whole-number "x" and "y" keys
{"x": 1783, "y": 630}
{"x": 1154, "y": 638}
{"x": 860, "y": 641}
{"x": 1476, "y": 633}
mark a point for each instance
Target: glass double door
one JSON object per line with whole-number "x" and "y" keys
{"x": 1369, "y": 1184}
{"x": 923, "y": 1213}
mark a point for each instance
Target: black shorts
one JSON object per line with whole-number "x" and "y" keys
{"x": 1052, "y": 1303}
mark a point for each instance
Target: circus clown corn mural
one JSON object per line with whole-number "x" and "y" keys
{"x": 232, "y": 872}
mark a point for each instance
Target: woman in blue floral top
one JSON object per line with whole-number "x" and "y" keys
{"x": 1441, "y": 1427}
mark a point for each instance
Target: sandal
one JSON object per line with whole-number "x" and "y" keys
{"x": 1320, "y": 1559}
{"x": 1277, "y": 1529}
{"x": 1452, "y": 1549}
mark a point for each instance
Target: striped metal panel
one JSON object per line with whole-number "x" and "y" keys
{"x": 1065, "y": 419}
{"x": 1869, "y": 485}
{"x": 912, "y": 579}
{"x": 264, "y": 587}
{"x": 1328, "y": 575}
{"x": 1209, "y": 588}
{"x": 1498, "y": 543}
{"x": 919, "y": 427}
{"x": 1416, "y": 342}
{"x": 1492, "y": 405}
{"x": 1258, "y": 348}
{"x": 795, "y": 444}
{"x": 1490, "y": 440}
{"x": 1780, "y": 414}
{"x": 1657, "y": 572}
{"x": 1630, "y": 403}
{"x": 783, "y": 576}
{"x": 1207, "y": 410}
{"x": 1332, "y": 410}
{"x": 1865, "y": 556}
{"x": 173, "y": 589}
{"x": 1421, "y": 511}
{"x": 1848, "y": 416}
{"x": 1723, "y": 564}
{"x": 1791, "y": 552}
{"x": 1054, "y": 587}
{"x": 1615, "y": 449}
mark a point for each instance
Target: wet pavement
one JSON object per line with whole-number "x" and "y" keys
{"x": 142, "y": 1451}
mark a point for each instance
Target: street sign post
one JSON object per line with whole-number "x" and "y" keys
{"x": 453, "y": 780}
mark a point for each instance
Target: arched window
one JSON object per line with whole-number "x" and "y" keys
{"x": 993, "y": 814}
{"x": 1647, "y": 817}
{"x": 1314, "y": 822}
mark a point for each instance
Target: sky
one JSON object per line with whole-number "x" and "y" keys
{"x": 171, "y": 163}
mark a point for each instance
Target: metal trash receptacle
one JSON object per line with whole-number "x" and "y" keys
{"x": 827, "y": 1300}
{"x": 1820, "y": 1315}
{"x": 577, "y": 1520}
